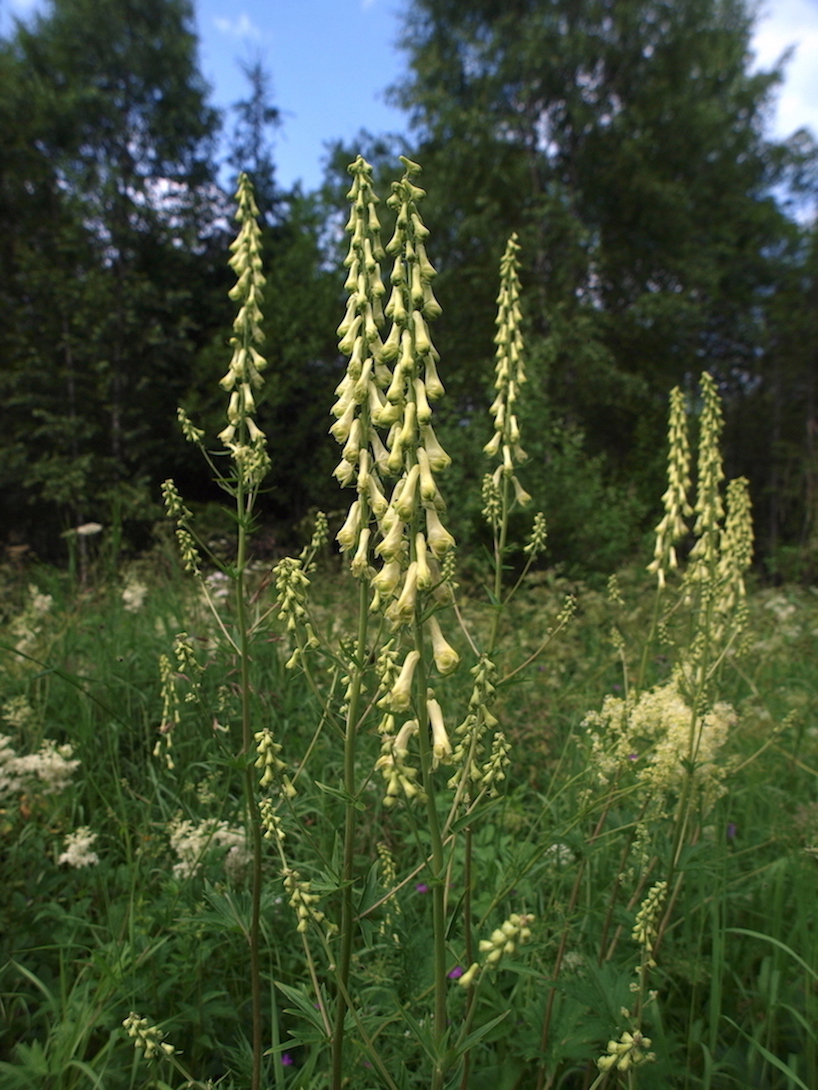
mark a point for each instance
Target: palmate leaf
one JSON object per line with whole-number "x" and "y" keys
{"x": 304, "y": 1004}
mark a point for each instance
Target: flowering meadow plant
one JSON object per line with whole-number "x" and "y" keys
{"x": 370, "y": 827}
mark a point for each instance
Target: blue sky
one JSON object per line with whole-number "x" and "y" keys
{"x": 331, "y": 61}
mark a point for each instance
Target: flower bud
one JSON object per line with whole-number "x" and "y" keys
{"x": 434, "y": 387}
{"x": 400, "y": 696}
{"x": 445, "y": 656}
{"x": 360, "y": 562}
{"x": 438, "y": 458}
{"x": 438, "y": 537}
{"x": 441, "y": 746}
{"x": 387, "y": 579}
{"x": 424, "y": 412}
{"x": 392, "y": 545}
{"x": 403, "y": 498}
{"x": 424, "y": 571}
{"x": 467, "y": 979}
{"x": 428, "y": 489}
{"x": 423, "y": 344}
{"x": 348, "y": 534}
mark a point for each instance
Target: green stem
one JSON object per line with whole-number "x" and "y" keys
{"x": 348, "y": 873}
{"x": 500, "y": 543}
{"x": 467, "y": 926}
{"x": 243, "y": 504}
{"x": 437, "y": 861}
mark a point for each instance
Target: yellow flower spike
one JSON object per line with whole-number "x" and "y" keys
{"x": 673, "y": 526}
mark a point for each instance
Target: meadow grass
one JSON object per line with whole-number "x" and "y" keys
{"x": 267, "y": 824}
{"x": 82, "y": 946}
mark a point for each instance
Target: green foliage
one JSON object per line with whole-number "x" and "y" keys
{"x": 82, "y": 947}
{"x": 104, "y": 300}
{"x": 624, "y": 145}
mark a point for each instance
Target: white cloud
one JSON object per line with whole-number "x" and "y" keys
{"x": 240, "y": 27}
{"x": 784, "y": 24}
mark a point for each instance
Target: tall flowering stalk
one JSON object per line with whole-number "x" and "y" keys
{"x": 502, "y": 490}
{"x": 246, "y": 447}
{"x": 673, "y": 526}
{"x": 394, "y": 531}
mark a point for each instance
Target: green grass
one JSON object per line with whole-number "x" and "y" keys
{"x": 737, "y": 970}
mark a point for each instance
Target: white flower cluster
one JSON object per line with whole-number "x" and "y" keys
{"x": 654, "y": 735}
{"x": 78, "y": 849}
{"x": 134, "y": 594}
{"x": 193, "y": 842}
{"x": 47, "y": 771}
{"x": 25, "y": 628}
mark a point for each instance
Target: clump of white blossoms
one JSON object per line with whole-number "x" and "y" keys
{"x": 26, "y": 627}
{"x": 78, "y": 849}
{"x": 651, "y": 735}
{"x": 134, "y": 594}
{"x": 46, "y": 772}
{"x": 193, "y": 843}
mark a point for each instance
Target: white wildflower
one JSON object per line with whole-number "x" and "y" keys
{"x": 193, "y": 842}
{"x": 78, "y": 849}
{"x": 133, "y": 595}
